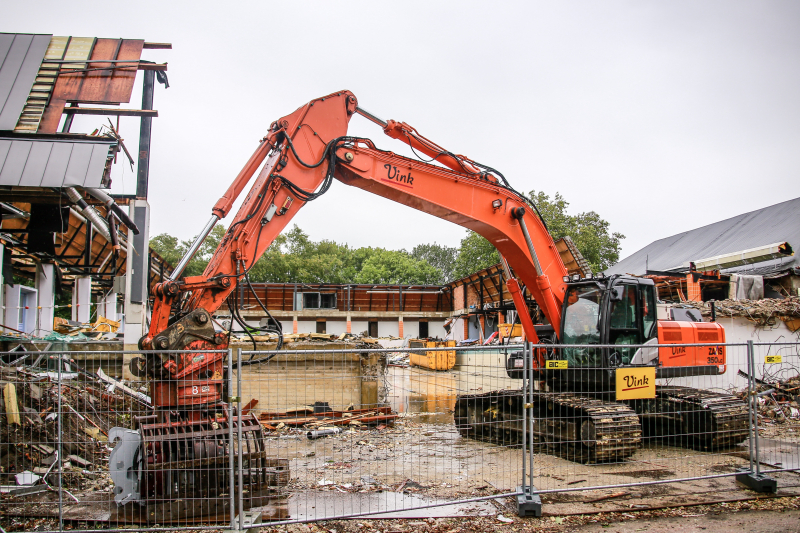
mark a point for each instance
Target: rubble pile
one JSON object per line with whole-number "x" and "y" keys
{"x": 778, "y": 400}
{"x": 29, "y": 426}
{"x": 763, "y": 312}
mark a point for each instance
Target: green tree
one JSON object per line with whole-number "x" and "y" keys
{"x": 475, "y": 253}
{"x": 396, "y": 267}
{"x": 590, "y": 233}
{"x": 172, "y": 250}
{"x": 442, "y": 258}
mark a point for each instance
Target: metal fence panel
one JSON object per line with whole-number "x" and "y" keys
{"x": 321, "y": 434}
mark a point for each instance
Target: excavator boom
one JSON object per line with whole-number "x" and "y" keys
{"x": 304, "y": 151}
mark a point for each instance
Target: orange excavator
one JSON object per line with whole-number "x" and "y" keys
{"x": 304, "y": 152}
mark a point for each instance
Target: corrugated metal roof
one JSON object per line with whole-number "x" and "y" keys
{"x": 53, "y": 163}
{"x": 21, "y": 56}
{"x": 777, "y": 223}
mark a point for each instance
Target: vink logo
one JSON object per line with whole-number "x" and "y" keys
{"x": 394, "y": 175}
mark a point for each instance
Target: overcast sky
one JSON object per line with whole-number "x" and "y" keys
{"x": 660, "y": 116}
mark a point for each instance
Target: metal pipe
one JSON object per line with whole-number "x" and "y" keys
{"x": 193, "y": 248}
{"x": 60, "y": 451}
{"x": 88, "y": 212}
{"x": 322, "y": 433}
{"x": 369, "y": 116}
{"x": 751, "y": 406}
{"x": 112, "y": 206}
{"x": 529, "y": 242}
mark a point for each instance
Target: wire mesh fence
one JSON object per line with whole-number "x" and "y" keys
{"x": 310, "y": 434}
{"x": 598, "y": 427}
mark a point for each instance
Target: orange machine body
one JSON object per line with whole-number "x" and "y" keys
{"x": 706, "y": 333}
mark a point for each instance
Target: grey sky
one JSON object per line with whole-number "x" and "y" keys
{"x": 660, "y": 116}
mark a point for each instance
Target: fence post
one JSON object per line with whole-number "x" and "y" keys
{"x": 240, "y": 494}
{"x": 528, "y": 503}
{"x": 59, "y": 451}
{"x": 231, "y": 480}
{"x": 750, "y": 478}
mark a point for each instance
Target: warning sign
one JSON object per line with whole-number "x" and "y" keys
{"x": 557, "y": 365}
{"x": 636, "y": 383}
{"x": 771, "y": 359}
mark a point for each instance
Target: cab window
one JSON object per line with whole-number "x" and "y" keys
{"x": 647, "y": 295}
{"x": 623, "y": 327}
{"x": 581, "y": 325}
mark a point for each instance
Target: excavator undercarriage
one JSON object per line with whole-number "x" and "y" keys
{"x": 589, "y": 429}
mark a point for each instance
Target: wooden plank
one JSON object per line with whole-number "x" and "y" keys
{"x": 157, "y": 46}
{"x": 12, "y": 407}
{"x": 104, "y": 111}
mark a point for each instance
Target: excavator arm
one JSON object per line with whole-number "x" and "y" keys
{"x": 304, "y": 152}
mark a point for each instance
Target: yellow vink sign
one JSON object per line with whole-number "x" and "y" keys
{"x": 557, "y": 365}
{"x": 772, "y": 359}
{"x": 636, "y": 383}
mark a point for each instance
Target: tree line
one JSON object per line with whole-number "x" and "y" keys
{"x": 294, "y": 258}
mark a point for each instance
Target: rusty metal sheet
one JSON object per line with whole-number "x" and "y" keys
{"x": 92, "y": 84}
{"x": 20, "y": 58}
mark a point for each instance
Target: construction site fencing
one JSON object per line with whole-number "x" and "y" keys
{"x": 302, "y": 435}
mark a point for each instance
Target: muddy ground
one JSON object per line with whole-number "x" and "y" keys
{"x": 422, "y": 460}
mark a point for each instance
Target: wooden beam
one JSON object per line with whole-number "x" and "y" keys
{"x": 104, "y": 111}
{"x": 157, "y": 46}
{"x": 12, "y": 406}
{"x": 152, "y": 66}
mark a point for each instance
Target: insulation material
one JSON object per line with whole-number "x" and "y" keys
{"x": 744, "y": 287}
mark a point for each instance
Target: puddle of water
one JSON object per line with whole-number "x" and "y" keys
{"x": 431, "y": 395}
{"x": 427, "y": 393}
{"x": 307, "y": 506}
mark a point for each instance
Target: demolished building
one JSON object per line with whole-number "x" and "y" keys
{"x": 745, "y": 265}
{"x": 61, "y": 230}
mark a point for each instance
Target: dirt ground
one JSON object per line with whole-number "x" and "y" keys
{"x": 422, "y": 459}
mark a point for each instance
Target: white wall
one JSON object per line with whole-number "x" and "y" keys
{"x": 336, "y": 327}
{"x": 306, "y": 326}
{"x": 388, "y": 328}
{"x": 410, "y": 329}
{"x": 436, "y": 328}
{"x": 358, "y": 326}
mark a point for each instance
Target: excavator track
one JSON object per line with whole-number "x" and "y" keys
{"x": 693, "y": 418}
{"x": 575, "y": 427}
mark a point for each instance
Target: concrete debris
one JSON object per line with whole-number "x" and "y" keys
{"x": 763, "y": 312}
{"x": 777, "y": 401}
{"x": 30, "y": 446}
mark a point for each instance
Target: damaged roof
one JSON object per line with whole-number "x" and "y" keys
{"x": 776, "y": 223}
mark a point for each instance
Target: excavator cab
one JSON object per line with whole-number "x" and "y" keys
{"x": 619, "y": 310}
{"x": 616, "y": 310}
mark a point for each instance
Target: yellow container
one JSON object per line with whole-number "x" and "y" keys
{"x": 506, "y": 330}
{"x": 433, "y": 360}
